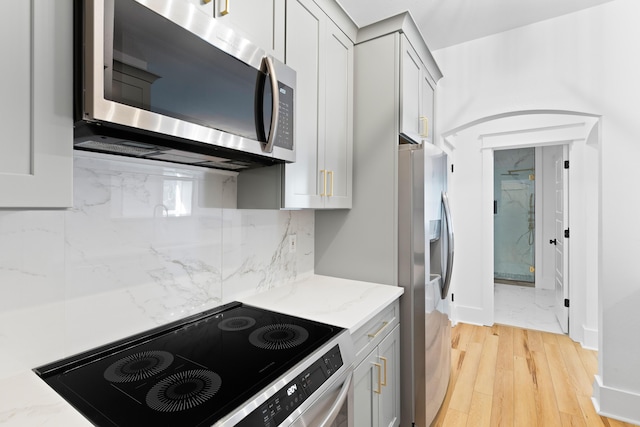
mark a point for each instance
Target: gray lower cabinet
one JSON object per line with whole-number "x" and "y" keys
{"x": 36, "y": 117}
{"x": 377, "y": 384}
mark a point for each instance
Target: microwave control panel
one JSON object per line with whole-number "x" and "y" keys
{"x": 284, "y": 135}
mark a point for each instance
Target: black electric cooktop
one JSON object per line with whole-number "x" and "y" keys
{"x": 189, "y": 373}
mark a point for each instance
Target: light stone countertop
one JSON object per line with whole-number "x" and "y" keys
{"x": 26, "y": 401}
{"x": 339, "y": 302}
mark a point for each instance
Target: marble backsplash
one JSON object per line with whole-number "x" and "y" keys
{"x": 145, "y": 243}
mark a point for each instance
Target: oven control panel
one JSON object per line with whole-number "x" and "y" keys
{"x": 286, "y": 400}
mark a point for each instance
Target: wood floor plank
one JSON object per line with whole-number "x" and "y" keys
{"x": 480, "y": 411}
{"x": 524, "y": 394}
{"x": 533, "y": 383}
{"x": 457, "y": 358}
{"x": 461, "y": 398}
{"x": 487, "y": 366}
{"x": 549, "y": 338}
{"x": 546, "y": 404}
{"x": 589, "y": 359}
{"x": 455, "y": 419}
{"x": 570, "y": 420}
{"x": 521, "y": 343}
{"x": 535, "y": 340}
{"x": 460, "y": 336}
{"x": 480, "y": 333}
{"x": 505, "y": 349}
{"x": 562, "y": 384}
{"x": 578, "y": 375}
{"x": 502, "y": 403}
{"x": 591, "y": 418}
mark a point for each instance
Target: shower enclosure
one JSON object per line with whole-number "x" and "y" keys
{"x": 514, "y": 216}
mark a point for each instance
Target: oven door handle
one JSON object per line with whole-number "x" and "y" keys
{"x": 337, "y": 405}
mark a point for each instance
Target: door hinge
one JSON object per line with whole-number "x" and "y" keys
{"x": 566, "y": 302}
{"x": 566, "y": 233}
{"x": 566, "y": 164}
{"x": 495, "y": 207}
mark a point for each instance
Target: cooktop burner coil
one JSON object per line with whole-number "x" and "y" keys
{"x": 278, "y": 336}
{"x": 183, "y": 390}
{"x": 138, "y": 366}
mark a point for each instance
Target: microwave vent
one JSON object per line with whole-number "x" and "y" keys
{"x": 120, "y": 148}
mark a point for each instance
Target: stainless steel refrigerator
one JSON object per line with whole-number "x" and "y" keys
{"x": 424, "y": 271}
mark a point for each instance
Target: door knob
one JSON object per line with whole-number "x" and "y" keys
{"x": 553, "y": 242}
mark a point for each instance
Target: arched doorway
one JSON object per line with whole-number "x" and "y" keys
{"x": 472, "y": 192}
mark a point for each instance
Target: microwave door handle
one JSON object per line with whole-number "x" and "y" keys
{"x": 447, "y": 217}
{"x": 275, "y": 104}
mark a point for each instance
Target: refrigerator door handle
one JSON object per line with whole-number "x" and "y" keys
{"x": 447, "y": 216}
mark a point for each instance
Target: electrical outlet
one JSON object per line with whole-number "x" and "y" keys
{"x": 293, "y": 243}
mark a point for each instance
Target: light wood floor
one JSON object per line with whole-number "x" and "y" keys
{"x": 508, "y": 376}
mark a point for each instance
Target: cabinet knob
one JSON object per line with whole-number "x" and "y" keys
{"x": 553, "y": 242}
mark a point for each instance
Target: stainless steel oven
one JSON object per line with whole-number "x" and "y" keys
{"x": 159, "y": 79}
{"x": 235, "y": 365}
{"x": 334, "y": 408}
{"x": 330, "y": 394}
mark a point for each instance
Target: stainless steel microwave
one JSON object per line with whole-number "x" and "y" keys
{"x": 159, "y": 79}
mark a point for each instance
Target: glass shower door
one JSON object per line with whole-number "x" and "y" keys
{"x": 514, "y": 215}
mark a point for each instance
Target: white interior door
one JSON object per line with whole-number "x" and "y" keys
{"x": 561, "y": 246}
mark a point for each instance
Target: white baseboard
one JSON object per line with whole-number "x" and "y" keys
{"x": 589, "y": 338}
{"x": 613, "y": 403}
{"x": 471, "y": 315}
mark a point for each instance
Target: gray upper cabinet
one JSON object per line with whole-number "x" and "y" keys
{"x": 261, "y": 21}
{"x": 322, "y": 55}
{"x": 36, "y": 165}
{"x": 417, "y": 93}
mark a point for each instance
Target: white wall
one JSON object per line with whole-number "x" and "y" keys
{"x": 584, "y": 62}
{"x": 116, "y": 264}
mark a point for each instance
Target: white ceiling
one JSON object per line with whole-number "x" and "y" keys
{"x": 444, "y": 23}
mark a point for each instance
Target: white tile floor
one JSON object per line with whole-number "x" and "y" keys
{"x": 525, "y": 307}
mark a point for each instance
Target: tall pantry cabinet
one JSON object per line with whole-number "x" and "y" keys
{"x": 36, "y": 165}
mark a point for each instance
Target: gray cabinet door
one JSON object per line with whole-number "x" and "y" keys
{"x": 261, "y": 21}
{"x": 365, "y": 391}
{"x": 304, "y": 45}
{"x": 338, "y": 144}
{"x": 389, "y": 355}
{"x": 36, "y": 161}
{"x": 322, "y": 56}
